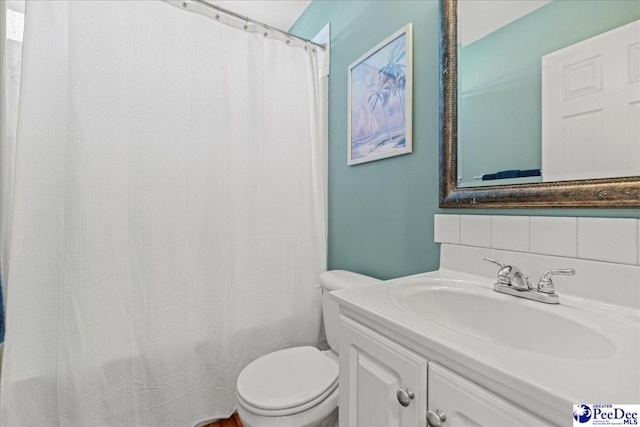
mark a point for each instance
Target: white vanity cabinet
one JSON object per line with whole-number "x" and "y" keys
{"x": 376, "y": 374}
{"x": 463, "y": 403}
{"x": 379, "y": 376}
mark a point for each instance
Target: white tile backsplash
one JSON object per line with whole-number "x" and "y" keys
{"x": 475, "y": 230}
{"x": 510, "y": 232}
{"x": 554, "y": 236}
{"x": 605, "y": 252}
{"x": 447, "y": 228}
{"x": 605, "y": 282}
{"x": 608, "y": 239}
{"x": 614, "y": 240}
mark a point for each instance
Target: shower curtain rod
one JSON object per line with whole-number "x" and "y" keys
{"x": 253, "y": 21}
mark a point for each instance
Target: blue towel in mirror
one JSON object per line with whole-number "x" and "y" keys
{"x": 515, "y": 173}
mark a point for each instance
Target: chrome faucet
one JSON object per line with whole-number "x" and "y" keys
{"x": 512, "y": 281}
{"x": 546, "y": 284}
{"x": 510, "y": 275}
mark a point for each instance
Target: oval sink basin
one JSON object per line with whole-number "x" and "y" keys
{"x": 480, "y": 312}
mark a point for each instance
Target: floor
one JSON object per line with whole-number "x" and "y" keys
{"x": 234, "y": 421}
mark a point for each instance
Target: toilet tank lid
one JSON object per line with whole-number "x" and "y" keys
{"x": 333, "y": 280}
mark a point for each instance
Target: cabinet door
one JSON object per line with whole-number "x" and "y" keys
{"x": 466, "y": 404}
{"x": 373, "y": 369}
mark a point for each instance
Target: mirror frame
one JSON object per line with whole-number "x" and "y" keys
{"x": 596, "y": 193}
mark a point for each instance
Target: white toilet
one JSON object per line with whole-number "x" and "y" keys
{"x": 298, "y": 387}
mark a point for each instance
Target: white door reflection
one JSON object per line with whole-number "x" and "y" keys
{"x": 591, "y": 107}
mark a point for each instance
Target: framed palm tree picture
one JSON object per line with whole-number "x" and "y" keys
{"x": 380, "y": 101}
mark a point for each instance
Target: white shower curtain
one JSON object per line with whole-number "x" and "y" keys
{"x": 169, "y": 213}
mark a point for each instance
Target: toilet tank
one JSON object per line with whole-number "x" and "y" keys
{"x": 335, "y": 280}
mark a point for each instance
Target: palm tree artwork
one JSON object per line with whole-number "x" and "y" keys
{"x": 379, "y": 109}
{"x": 379, "y": 95}
{"x": 394, "y": 74}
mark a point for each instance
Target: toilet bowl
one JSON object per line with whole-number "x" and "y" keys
{"x": 298, "y": 387}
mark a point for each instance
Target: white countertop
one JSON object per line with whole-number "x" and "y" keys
{"x": 538, "y": 382}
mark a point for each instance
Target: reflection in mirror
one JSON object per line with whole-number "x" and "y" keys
{"x": 600, "y": 192}
{"x": 547, "y": 91}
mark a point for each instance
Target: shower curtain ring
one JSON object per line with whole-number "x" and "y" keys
{"x": 288, "y": 38}
{"x": 265, "y": 30}
{"x": 217, "y": 12}
{"x": 246, "y": 23}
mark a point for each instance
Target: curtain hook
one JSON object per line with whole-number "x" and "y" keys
{"x": 184, "y": 4}
{"x": 265, "y": 30}
{"x": 217, "y": 12}
{"x": 288, "y": 38}
{"x": 246, "y": 23}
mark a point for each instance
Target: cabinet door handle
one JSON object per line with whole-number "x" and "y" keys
{"x": 405, "y": 395}
{"x": 435, "y": 419}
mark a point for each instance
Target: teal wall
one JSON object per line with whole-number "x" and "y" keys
{"x": 381, "y": 213}
{"x": 500, "y": 81}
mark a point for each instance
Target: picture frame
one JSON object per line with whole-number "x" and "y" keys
{"x": 380, "y": 111}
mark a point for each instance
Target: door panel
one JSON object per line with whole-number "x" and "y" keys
{"x": 466, "y": 404}
{"x": 372, "y": 370}
{"x": 590, "y": 98}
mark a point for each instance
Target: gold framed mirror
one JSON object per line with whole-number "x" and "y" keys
{"x": 616, "y": 192}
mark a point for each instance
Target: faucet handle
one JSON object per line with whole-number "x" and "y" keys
{"x": 496, "y": 262}
{"x": 504, "y": 273}
{"x": 545, "y": 284}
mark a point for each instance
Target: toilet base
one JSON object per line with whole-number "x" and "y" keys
{"x": 332, "y": 421}
{"x": 261, "y": 421}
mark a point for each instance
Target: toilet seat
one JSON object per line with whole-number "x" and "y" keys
{"x": 287, "y": 382}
